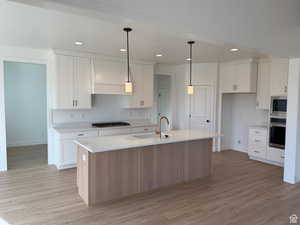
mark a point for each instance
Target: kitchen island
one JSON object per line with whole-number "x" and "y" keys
{"x": 113, "y": 167}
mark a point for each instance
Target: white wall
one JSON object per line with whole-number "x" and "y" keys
{"x": 25, "y": 104}
{"x": 238, "y": 113}
{"x": 105, "y": 108}
{"x": 292, "y": 152}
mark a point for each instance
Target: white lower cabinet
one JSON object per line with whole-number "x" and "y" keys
{"x": 68, "y": 153}
{"x": 258, "y": 148}
{"x": 275, "y": 155}
{"x": 67, "y": 150}
{"x": 257, "y": 142}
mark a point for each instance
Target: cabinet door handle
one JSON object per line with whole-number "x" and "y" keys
{"x": 142, "y": 103}
{"x": 257, "y": 140}
{"x": 257, "y": 151}
{"x": 80, "y": 135}
{"x": 73, "y": 103}
{"x": 76, "y": 103}
{"x": 285, "y": 89}
{"x": 282, "y": 157}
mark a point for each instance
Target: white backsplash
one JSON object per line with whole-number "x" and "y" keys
{"x": 105, "y": 108}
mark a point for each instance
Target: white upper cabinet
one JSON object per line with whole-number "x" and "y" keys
{"x": 142, "y": 79}
{"x": 73, "y": 82}
{"x": 64, "y": 82}
{"x": 272, "y": 81}
{"x": 238, "y": 77}
{"x": 263, "y": 85}
{"x": 279, "y": 77}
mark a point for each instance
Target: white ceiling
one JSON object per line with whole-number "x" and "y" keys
{"x": 269, "y": 25}
{"x": 47, "y": 27}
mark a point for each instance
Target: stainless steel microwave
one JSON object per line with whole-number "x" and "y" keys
{"x": 278, "y": 106}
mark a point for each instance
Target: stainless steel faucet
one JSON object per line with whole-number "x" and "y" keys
{"x": 161, "y": 118}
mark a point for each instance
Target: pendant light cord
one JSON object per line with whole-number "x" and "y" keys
{"x": 128, "y": 69}
{"x": 191, "y": 59}
{"x": 191, "y": 64}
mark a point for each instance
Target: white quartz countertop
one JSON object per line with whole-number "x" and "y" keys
{"x": 74, "y": 127}
{"x": 111, "y": 143}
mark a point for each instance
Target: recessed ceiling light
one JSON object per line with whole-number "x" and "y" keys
{"x": 188, "y": 59}
{"x": 159, "y": 55}
{"x": 123, "y": 50}
{"x": 78, "y": 43}
{"x": 234, "y": 49}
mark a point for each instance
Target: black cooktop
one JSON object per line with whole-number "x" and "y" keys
{"x": 111, "y": 124}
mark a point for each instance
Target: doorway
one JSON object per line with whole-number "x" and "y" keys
{"x": 163, "y": 100}
{"x": 25, "y": 92}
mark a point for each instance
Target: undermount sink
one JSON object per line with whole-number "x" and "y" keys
{"x": 145, "y": 136}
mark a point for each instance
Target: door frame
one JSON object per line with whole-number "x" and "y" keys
{"x": 173, "y": 102}
{"x": 21, "y": 55}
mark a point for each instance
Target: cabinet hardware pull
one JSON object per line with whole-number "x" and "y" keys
{"x": 73, "y": 103}
{"x": 80, "y": 134}
{"x": 257, "y": 140}
{"x": 282, "y": 157}
{"x": 256, "y": 151}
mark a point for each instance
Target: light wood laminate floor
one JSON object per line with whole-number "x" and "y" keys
{"x": 26, "y": 156}
{"x": 240, "y": 192}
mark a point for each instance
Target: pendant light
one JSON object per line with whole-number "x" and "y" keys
{"x": 190, "y": 88}
{"x": 128, "y": 83}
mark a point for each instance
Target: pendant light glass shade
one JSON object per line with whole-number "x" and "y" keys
{"x": 190, "y": 88}
{"x": 128, "y": 83}
{"x": 128, "y": 87}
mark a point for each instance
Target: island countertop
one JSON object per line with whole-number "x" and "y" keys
{"x": 111, "y": 143}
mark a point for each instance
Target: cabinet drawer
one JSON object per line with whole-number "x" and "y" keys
{"x": 258, "y": 132}
{"x": 142, "y": 129}
{"x": 258, "y": 141}
{"x": 79, "y": 134}
{"x": 276, "y": 155}
{"x": 107, "y": 132}
{"x": 257, "y": 152}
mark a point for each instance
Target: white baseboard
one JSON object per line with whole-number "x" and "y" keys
{"x": 62, "y": 167}
{"x": 266, "y": 161}
{"x": 232, "y": 148}
{"x": 26, "y": 143}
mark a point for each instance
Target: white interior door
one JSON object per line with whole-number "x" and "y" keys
{"x": 201, "y": 108}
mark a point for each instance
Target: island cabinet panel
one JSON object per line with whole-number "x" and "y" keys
{"x": 161, "y": 166}
{"x": 195, "y": 164}
{"x": 83, "y": 174}
{"x": 104, "y": 176}
{"x": 114, "y": 175}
